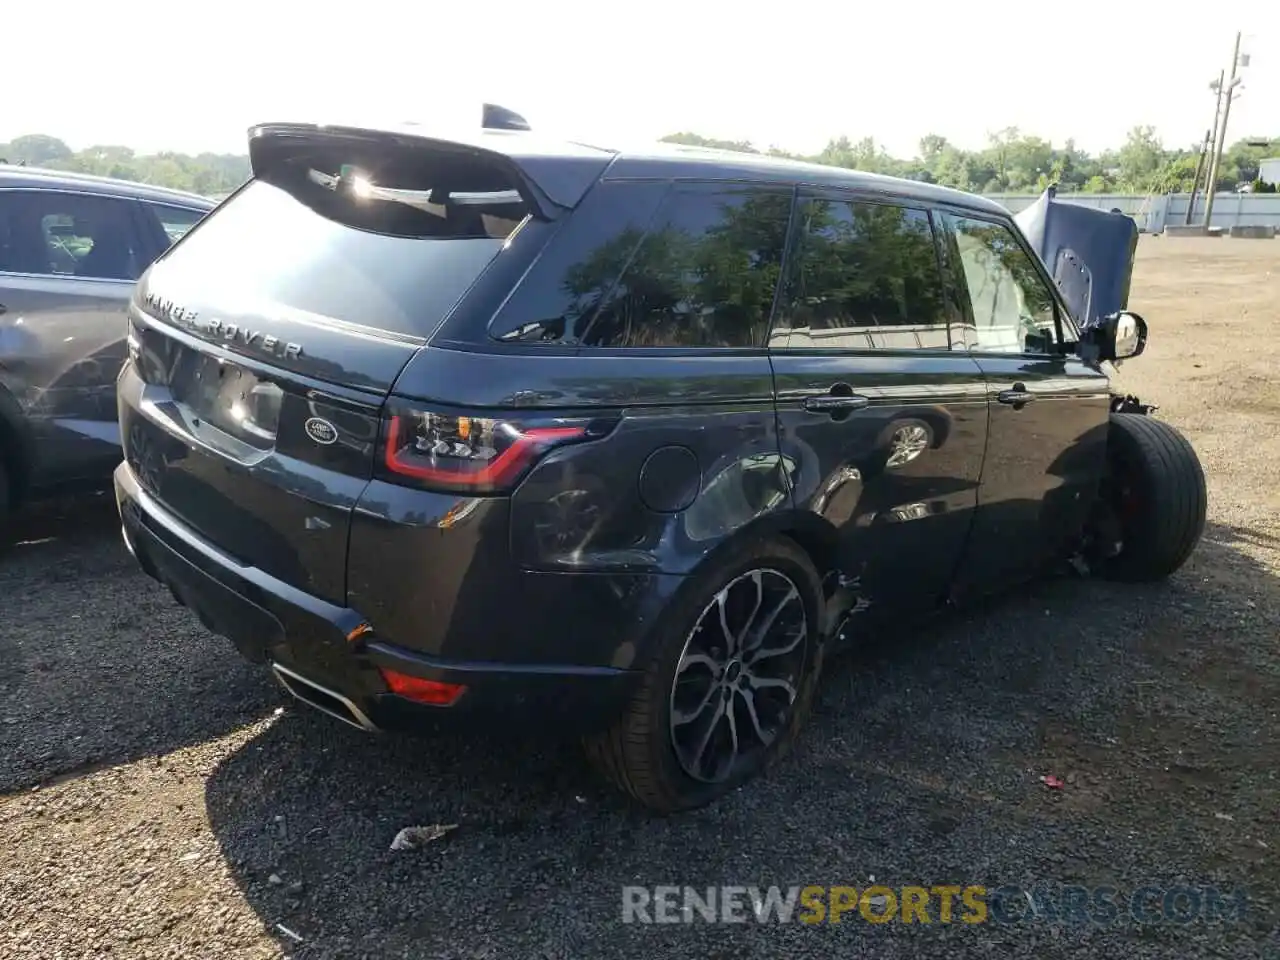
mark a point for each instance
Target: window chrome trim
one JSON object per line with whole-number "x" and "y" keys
{"x": 63, "y": 276}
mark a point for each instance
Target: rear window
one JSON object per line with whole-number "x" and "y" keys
{"x": 390, "y": 245}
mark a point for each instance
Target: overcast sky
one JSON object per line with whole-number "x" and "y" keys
{"x": 162, "y": 75}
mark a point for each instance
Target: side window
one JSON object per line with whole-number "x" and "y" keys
{"x": 1013, "y": 308}
{"x": 863, "y": 276}
{"x": 175, "y": 221}
{"x": 574, "y": 274}
{"x": 69, "y": 235}
{"x": 704, "y": 275}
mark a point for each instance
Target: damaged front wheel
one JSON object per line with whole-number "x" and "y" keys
{"x": 1156, "y": 494}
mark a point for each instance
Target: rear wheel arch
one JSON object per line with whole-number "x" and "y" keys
{"x": 815, "y": 535}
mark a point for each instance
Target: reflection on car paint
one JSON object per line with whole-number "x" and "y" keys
{"x": 747, "y": 489}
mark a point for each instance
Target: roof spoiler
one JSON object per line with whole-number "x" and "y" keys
{"x": 550, "y": 179}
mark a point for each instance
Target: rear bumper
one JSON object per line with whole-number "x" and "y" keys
{"x": 329, "y": 655}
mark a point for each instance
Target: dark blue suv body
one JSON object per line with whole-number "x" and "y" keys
{"x": 449, "y": 427}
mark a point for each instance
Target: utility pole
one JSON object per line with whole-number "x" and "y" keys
{"x": 1195, "y": 181}
{"x": 1228, "y": 92}
{"x": 1216, "y": 86}
{"x": 1217, "y": 106}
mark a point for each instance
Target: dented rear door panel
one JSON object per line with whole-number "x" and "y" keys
{"x": 62, "y": 343}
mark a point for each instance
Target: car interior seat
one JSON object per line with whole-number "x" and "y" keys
{"x": 111, "y": 256}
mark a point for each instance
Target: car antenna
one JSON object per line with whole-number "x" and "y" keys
{"x": 500, "y": 118}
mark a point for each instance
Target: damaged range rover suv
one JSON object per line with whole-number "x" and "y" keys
{"x": 440, "y": 427}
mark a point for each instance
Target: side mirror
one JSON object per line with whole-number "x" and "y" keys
{"x": 1116, "y": 337}
{"x": 1128, "y": 336}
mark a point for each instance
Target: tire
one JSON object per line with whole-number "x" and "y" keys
{"x": 1156, "y": 488}
{"x": 642, "y": 752}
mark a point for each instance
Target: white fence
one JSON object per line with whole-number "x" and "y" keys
{"x": 1154, "y": 212}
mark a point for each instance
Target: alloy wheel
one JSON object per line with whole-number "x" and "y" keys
{"x": 739, "y": 675}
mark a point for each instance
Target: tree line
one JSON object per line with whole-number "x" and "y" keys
{"x": 1014, "y": 162}
{"x": 1011, "y": 162}
{"x": 209, "y": 174}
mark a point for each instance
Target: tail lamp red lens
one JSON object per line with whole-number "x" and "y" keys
{"x": 433, "y": 692}
{"x": 470, "y": 454}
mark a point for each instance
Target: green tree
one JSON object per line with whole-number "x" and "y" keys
{"x": 1241, "y": 162}
{"x": 694, "y": 140}
{"x": 1176, "y": 175}
{"x": 209, "y": 174}
{"x": 956, "y": 168}
{"x": 1141, "y": 160}
{"x": 36, "y": 149}
{"x": 1018, "y": 162}
{"x": 931, "y": 147}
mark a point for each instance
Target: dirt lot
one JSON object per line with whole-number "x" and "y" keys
{"x": 154, "y": 802}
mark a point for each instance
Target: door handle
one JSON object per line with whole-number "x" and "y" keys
{"x": 1017, "y": 396}
{"x": 834, "y": 403}
{"x": 3, "y": 309}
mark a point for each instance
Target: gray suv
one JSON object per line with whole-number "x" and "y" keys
{"x": 71, "y": 247}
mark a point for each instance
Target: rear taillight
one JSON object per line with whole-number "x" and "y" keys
{"x": 473, "y": 454}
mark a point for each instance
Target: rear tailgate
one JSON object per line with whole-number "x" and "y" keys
{"x": 265, "y": 341}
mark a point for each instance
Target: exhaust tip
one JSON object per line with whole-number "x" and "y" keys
{"x": 322, "y": 698}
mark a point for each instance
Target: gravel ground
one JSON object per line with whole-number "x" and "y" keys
{"x": 156, "y": 802}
